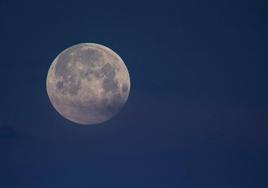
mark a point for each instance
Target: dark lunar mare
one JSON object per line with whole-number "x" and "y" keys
{"x": 71, "y": 82}
{"x": 109, "y": 82}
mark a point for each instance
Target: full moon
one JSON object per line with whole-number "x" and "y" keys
{"x": 88, "y": 83}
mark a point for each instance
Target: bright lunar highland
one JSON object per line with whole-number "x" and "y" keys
{"x": 88, "y": 83}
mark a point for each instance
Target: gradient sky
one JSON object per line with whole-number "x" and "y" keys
{"x": 197, "y": 112}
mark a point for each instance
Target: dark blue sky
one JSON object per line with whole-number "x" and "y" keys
{"x": 197, "y": 112}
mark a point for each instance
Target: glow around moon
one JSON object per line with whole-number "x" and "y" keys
{"x": 88, "y": 83}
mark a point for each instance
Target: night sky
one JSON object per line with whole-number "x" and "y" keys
{"x": 197, "y": 114}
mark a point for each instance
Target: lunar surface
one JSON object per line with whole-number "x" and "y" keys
{"x": 88, "y": 83}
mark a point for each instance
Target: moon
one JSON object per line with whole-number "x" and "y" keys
{"x": 88, "y": 83}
